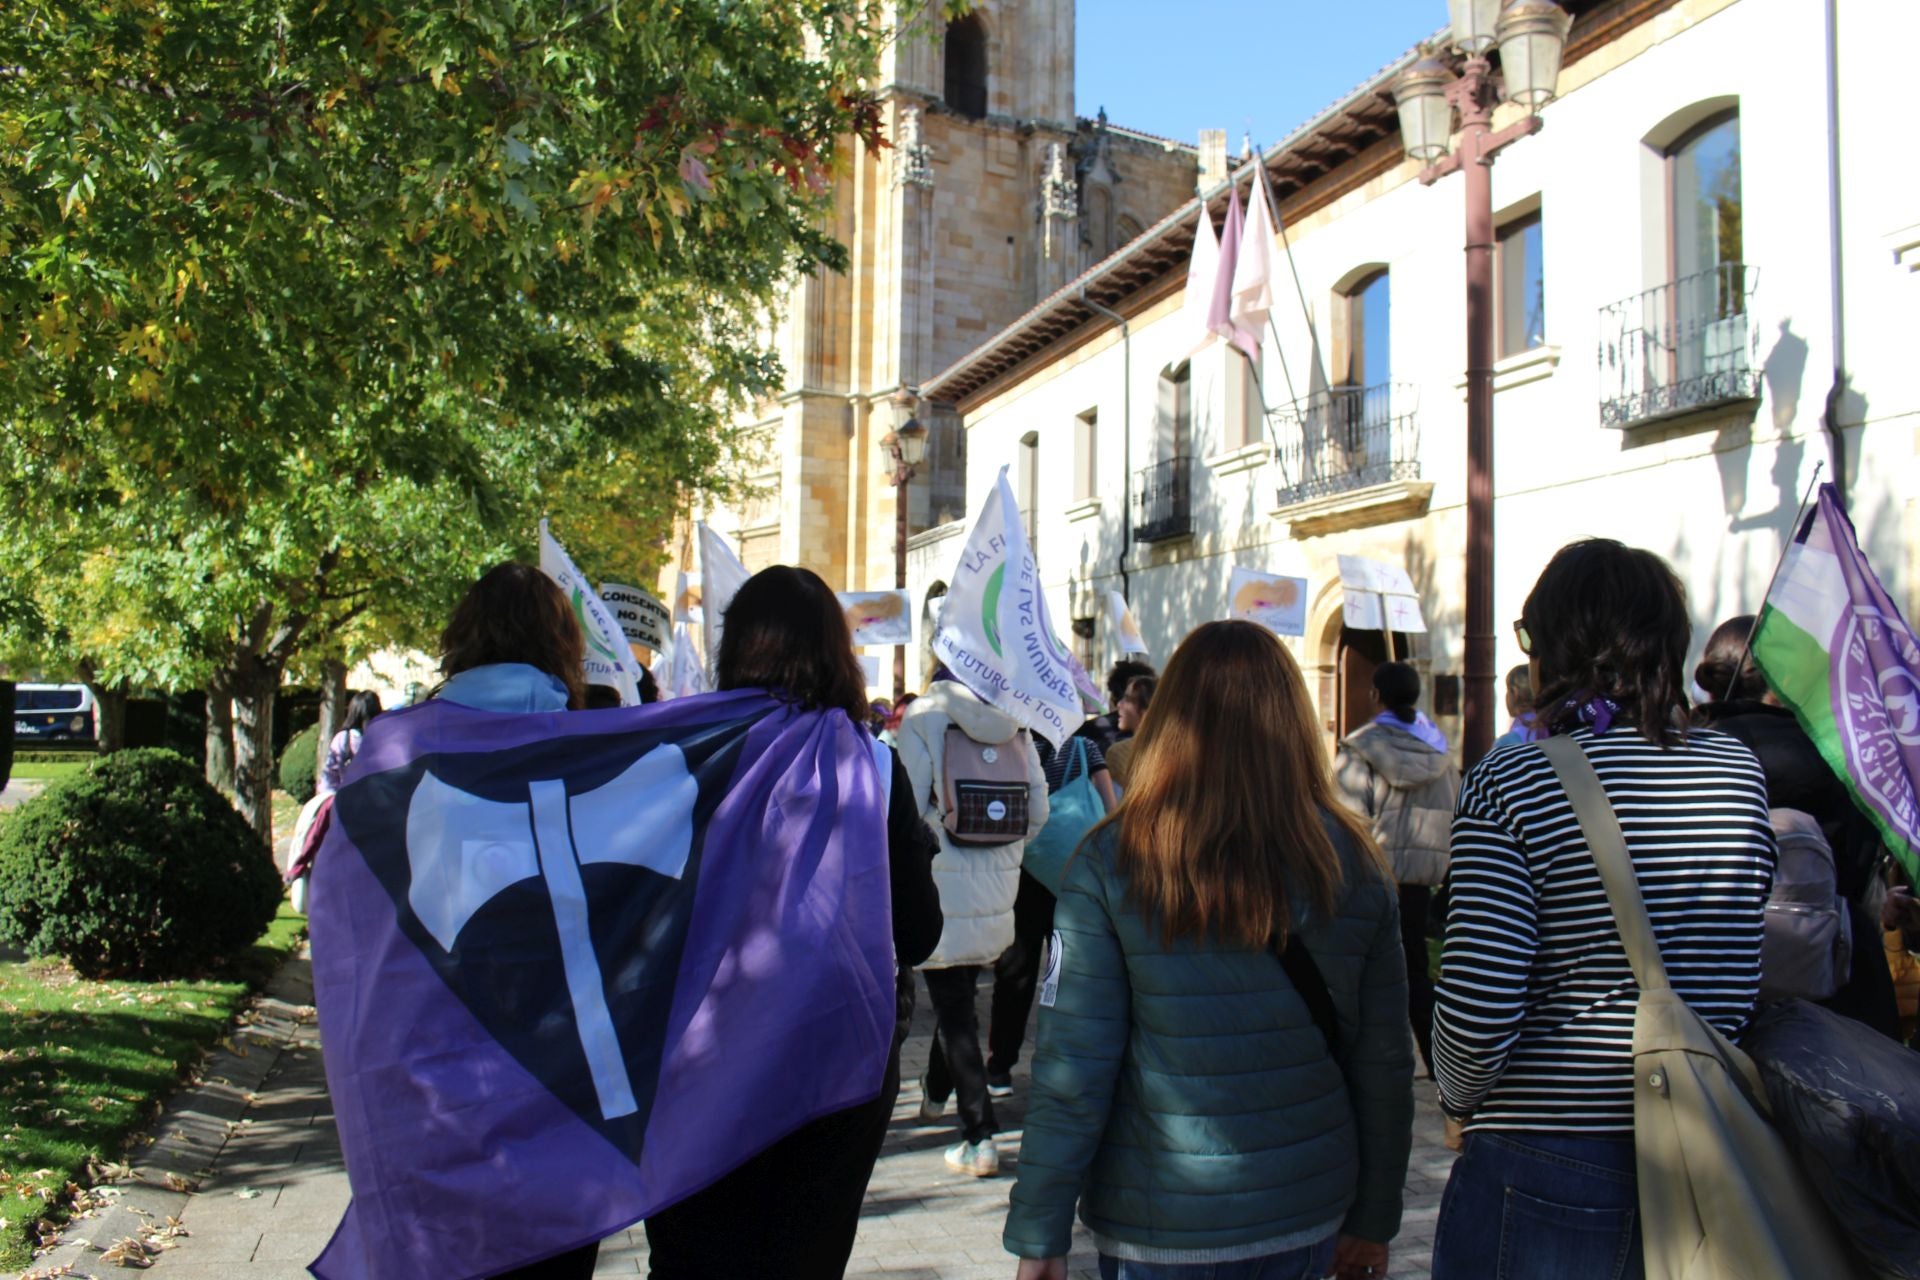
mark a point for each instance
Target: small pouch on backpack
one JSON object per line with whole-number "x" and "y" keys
{"x": 1806, "y": 949}
{"x": 984, "y": 789}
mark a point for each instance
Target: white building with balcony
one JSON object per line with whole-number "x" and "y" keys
{"x": 1704, "y": 287}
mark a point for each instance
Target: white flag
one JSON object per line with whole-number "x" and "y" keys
{"x": 1253, "y": 277}
{"x": 609, "y": 658}
{"x": 686, "y": 675}
{"x": 721, "y": 575}
{"x": 995, "y": 635}
{"x": 1196, "y": 307}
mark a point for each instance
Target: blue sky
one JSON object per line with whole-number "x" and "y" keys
{"x": 1175, "y": 67}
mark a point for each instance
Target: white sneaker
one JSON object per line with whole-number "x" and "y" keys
{"x": 981, "y": 1159}
{"x": 929, "y": 1109}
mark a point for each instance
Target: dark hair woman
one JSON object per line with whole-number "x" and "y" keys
{"x": 1533, "y": 1029}
{"x": 1128, "y": 713}
{"x": 1396, "y": 772}
{"x": 362, "y": 707}
{"x": 1740, "y": 703}
{"x": 513, "y": 644}
{"x": 1222, "y": 873}
{"x": 793, "y": 1209}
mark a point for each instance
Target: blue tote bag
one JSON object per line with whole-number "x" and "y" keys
{"x": 1071, "y": 813}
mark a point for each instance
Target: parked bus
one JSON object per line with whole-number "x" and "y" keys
{"x": 53, "y": 713}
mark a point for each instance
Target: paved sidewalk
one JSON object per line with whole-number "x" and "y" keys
{"x": 256, "y": 1144}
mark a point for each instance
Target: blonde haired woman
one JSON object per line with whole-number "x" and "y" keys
{"x": 1223, "y": 1080}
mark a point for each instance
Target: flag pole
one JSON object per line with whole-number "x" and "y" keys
{"x": 1793, "y": 533}
{"x": 1286, "y": 243}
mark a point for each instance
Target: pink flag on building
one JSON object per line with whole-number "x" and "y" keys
{"x": 1220, "y": 314}
{"x": 1196, "y": 310}
{"x": 1253, "y": 278}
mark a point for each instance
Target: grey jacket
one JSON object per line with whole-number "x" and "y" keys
{"x": 1404, "y": 788}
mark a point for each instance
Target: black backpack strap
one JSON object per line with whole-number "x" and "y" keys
{"x": 1307, "y": 980}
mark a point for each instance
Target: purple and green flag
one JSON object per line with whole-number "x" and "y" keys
{"x": 572, "y": 967}
{"x": 1835, "y": 649}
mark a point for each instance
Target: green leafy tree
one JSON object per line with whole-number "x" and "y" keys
{"x": 306, "y": 310}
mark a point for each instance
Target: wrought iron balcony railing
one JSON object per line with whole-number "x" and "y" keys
{"x": 1346, "y": 438}
{"x": 1684, "y": 346}
{"x": 1163, "y": 500}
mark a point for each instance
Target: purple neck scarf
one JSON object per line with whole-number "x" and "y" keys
{"x": 1422, "y": 728}
{"x": 1585, "y": 707}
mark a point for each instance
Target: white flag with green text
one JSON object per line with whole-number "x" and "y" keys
{"x": 609, "y": 658}
{"x": 995, "y": 635}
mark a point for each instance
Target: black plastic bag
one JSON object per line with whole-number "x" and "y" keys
{"x": 1847, "y": 1101}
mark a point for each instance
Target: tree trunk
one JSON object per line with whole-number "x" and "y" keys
{"x": 220, "y": 731}
{"x": 333, "y": 709}
{"x": 110, "y": 715}
{"x": 254, "y": 685}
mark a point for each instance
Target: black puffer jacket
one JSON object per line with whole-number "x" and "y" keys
{"x": 1798, "y": 777}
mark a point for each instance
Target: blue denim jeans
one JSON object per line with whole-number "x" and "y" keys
{"x": 1309, "y": 1263}
{"x": 1540, "y": 1206}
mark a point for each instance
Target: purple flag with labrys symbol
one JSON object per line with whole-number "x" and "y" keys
{"x": 572, "y": 967}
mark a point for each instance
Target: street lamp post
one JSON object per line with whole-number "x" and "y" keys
{"x": 1531, "y": 35}
{"x": 905, "y": 447}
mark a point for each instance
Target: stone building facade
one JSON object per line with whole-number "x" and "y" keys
{"x": 993, "y": 195}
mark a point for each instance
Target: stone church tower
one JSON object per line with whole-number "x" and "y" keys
{"x": 993, "y": 195}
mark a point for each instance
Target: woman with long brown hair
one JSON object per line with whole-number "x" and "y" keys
{"x": 1223, "y": 1080}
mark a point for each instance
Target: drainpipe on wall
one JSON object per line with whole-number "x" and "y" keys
{"x": 1126, "y": 434}
{"x": 1830, "y": 416}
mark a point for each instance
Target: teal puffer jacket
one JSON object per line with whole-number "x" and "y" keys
{"x": 1185, "y": 1098}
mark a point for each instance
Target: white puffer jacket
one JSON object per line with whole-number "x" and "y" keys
{"x": 977, "y": 883}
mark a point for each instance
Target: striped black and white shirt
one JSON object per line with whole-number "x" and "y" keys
{"x": 1533, "y": 1024}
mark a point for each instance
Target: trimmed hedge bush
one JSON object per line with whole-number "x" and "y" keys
{"x": 298, "y": 763}
{"x": 136, "y": 868}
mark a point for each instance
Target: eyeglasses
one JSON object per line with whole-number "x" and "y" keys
{"x": 1521, "y": 634}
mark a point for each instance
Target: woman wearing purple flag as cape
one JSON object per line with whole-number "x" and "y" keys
{"x": 513, "y": 645}
{"x": 793, "y": 1209}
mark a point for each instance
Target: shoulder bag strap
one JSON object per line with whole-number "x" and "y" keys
{"x": 1079, "y": 758}
{"x": 1601, "y": 827}
{"x": 1312, "y": 986}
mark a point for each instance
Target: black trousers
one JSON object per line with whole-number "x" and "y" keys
{"x": 575, "y": 1264}
{"x": 1414, "y": 901}
{"x": 955, "y": 1066}
{"x": 792, "y": 1210}
{"x": 1016, "y": 974}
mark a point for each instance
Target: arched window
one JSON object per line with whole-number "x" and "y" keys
{"x": 1365, "y": 333}
{"x": 967, "y": 66}
{"x": 1703, "y": 196}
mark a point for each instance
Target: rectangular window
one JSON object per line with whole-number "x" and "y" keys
{"x": 1522, "y": 287}
{"x": 1086, "y": 443}
{"x": 1244, "y": 424}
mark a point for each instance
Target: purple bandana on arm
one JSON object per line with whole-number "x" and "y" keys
{"x": 572, "y": 967}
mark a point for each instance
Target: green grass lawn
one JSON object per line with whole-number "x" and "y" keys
{"x": 84, "y": 1066}
{"x": 48, "y": 770}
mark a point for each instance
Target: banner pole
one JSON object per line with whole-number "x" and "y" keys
{"x": 1793, "y": 535}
